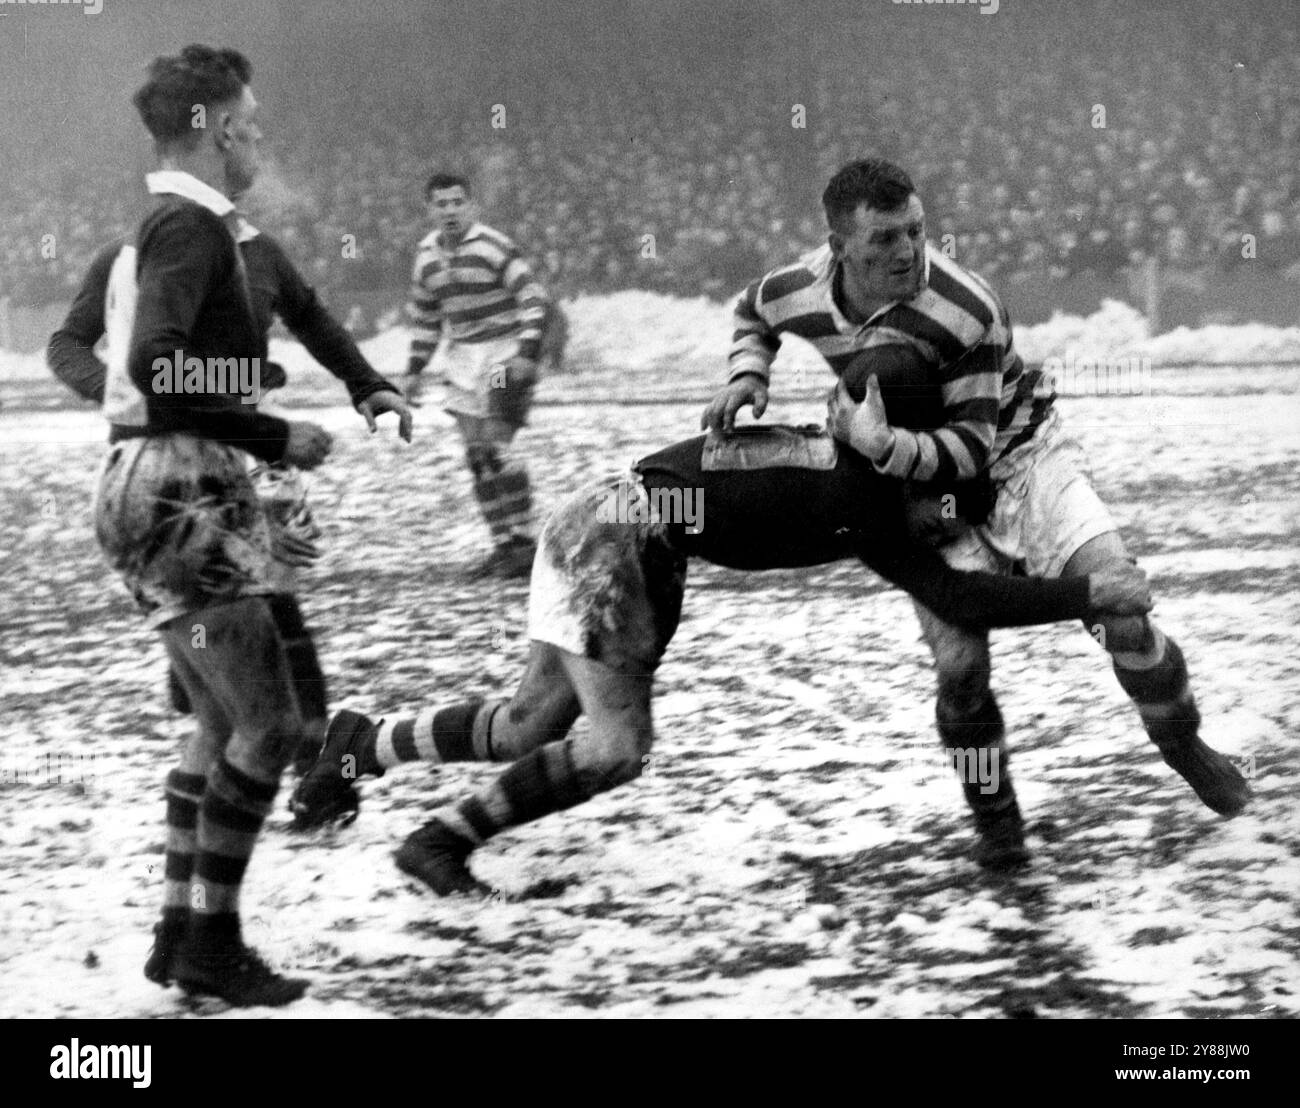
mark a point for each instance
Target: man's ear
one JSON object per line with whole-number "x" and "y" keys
{"x": 223, "y": 130}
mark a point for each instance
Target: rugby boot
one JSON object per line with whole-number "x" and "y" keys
{"x": 1001, "y": 846}
{"x": 1213, "y": 776}
{"x": 436, "y": 855}
{"x": 512, "y": 560}
{"x": 326, "y": 792}
{"x": 234, "y": 972}
{"x": 167, "y": 937}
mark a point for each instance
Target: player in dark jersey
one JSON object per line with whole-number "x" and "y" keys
{"x": 177, "y": 516}
{"x": 605, "y": 598}
{"x": 277, "y": 291}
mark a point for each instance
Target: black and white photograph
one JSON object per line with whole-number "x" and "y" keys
{"x": 649, "y": 509}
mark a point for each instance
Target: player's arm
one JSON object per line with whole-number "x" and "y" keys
{"x": 754, "y": 346}
{"x": 425, "y": 313}
{"x": 989, "y": 600}
{"x": 71, "y": 350}
{"x": 184, "y": 255}
{"x": 971, "y": 389}
{"x": 531, "y": 299}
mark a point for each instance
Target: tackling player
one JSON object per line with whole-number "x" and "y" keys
{"x": 955, "y": 401}
{"x": 604, "y": 602}
{"x": 472, "y": 289}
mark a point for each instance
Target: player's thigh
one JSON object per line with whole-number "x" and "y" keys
{"x": 617, "y": 704}
{"x": 543, "y": 708}
{"x": 1122, "y": 633}
{"x": 214, "y": 728}
{"x": 235, "y": 650}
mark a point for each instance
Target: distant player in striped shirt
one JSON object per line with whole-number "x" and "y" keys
{"x": 472, "y": 290}
{"x": 948, "y": 397}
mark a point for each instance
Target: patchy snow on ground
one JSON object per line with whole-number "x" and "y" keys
{"x": 796, "y": 847}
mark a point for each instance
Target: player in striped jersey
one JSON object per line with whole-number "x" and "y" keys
{"x": 951, "y": 399}
{"x": 472, "y": 290}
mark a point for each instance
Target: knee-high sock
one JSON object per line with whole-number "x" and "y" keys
{"x": 1158, "y": 683}
{"x": 231, "y": 814}
{"x": 504, "y": 494}
{"x": 974, "y": 739}
{"x": 540, "y": 783}
{"x": 458, "y": 733}
{"x": 183, "y": 791}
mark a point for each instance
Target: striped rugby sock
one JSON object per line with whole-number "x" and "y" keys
{"x": 1158, "y": 683}
{"x": 231, "y": 814}
{"x": 541, "y": 782}
{"x": 975, "y": 742}
{"x": 183, "y": 792}
{"x": 504, "y": 494}
{"x": 459, "y": 733}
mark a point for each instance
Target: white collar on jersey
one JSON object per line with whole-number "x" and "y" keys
{"x": 434, "y": 238}
{"x": 175, "y": 182}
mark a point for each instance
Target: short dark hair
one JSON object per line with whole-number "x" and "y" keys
{"x": 871, "y": 181}
{"x": 197, "y": 75}
{"x": 445, "y": 180}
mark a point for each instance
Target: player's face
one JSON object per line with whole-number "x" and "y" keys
{"x": 884, "y": 255}
{"x": 450, "y": 210}
{"x": 241, "y": 135}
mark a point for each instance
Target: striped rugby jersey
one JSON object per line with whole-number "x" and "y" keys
{"x": 481, "y": 289}
{"x": 983, "y": 401}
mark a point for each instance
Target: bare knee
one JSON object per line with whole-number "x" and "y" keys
{"x": 1120, "y": 634}
{"x": 605, "y": 761}
{"x": 963, "y": 689}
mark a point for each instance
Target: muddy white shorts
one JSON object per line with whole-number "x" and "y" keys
{"x": 179, "y": 519}
{"x": 606, "y": 583}
{"x": 1046, "y": 509}
{"x": 469, "y": 371}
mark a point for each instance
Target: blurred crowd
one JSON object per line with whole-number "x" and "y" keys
{"x": 1037, "y": 156}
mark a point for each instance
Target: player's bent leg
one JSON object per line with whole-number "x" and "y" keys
{"x": 542, "y": 710}
{"x": 240, "y": 662}
{"x": 551, "y": 778}
{"x": 1151, "y": 669}
{"x": 308, "y": 679}
{"x": 973, "y": 734}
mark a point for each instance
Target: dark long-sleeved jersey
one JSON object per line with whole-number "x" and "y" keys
{"x": 277, "y": 290}
{"x": 188, "y": 305}
{"x": 774, "y": 514}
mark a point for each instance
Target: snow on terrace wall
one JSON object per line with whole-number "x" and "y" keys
{"x": 643, "y": 341}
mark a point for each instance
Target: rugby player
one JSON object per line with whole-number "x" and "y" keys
{"x": 605, "y": 598}
{"x": 954, "y": 400}
{"x": 176, "y": 514}
{"x": 472, "y": 289}
{"x": 277, "y": 290}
